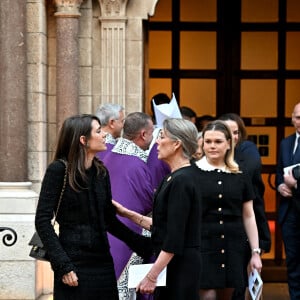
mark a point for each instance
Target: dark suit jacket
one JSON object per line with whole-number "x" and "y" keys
{"x": 248, "y": 158}
{"x": 284, "y": 160}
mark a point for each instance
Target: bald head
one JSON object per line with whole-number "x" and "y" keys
{"x": 296, "y": 117}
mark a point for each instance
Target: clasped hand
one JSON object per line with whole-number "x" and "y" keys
{"x": 70, "y": 279}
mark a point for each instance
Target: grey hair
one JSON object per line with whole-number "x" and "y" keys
{"x": 108, "y": 111}
{"x": 184, "y": 131}
{"x": 134, "y": 123}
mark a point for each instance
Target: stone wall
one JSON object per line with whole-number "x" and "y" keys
{"x": 110, "y": 65}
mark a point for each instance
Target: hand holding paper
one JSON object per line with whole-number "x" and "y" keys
{"x": 255, "y": 285}
{"x": 137, "y": 273}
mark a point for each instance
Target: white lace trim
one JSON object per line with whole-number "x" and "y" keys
{"x": 124, "y": 292}
{"x": 203, "y": 164}
{"x": 109, "y": 139}
{"x": 126, "y": 147}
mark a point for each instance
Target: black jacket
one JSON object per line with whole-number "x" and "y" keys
{"x": 84, "y": 219}
{"x": 247, "y": 156}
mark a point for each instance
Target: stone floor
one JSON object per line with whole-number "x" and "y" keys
{"x": 271, "y": 291}
{"x": 275, "y": 291}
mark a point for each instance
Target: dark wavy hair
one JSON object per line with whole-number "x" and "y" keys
{"x": 240, "y": 123}
{"x": 70, "y": 149}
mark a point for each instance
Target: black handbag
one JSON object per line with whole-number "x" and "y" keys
{"x": 38, "y": 251}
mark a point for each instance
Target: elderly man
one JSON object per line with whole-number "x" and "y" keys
{"x": 112, "y": 121}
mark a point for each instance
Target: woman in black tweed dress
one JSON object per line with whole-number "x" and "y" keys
{"x": 79, "y": 256}
{"x": 228, "y": 218}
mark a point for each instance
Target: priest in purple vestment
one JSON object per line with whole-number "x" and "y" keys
{"x": 131, "y": 181}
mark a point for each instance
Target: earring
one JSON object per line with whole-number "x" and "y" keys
{"x": 87, "y": 145}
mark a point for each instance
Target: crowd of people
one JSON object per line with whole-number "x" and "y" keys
{"x": 156, "y": 189}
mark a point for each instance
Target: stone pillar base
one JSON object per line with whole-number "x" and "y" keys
{"x": 21, "y": 277}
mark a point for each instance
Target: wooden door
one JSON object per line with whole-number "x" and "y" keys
{"x": 238, "y": 56}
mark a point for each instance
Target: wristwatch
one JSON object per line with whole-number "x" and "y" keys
{"x": 256, "y": 250}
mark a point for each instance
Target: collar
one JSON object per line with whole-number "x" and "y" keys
{"x": 109, "y": 139}
{"x": 126, "y": 147}
{"x": 203, "y": 164}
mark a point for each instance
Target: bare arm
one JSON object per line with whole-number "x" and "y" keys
{"x": 148, "y": 284}
{"x": 143, "y": 221}
{"x": 252, "y": 234}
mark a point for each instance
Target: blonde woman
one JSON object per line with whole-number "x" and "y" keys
{"x": 228, "y": 218}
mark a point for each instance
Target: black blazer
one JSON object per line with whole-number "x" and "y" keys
{"x": 249, "y": 161}
{"x": 285, "y": 159}
{"x": 82, "y": 231}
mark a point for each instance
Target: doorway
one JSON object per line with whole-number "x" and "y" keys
{"x": 238, "y": 56}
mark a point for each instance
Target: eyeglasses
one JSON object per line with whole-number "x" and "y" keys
{"x": 121, "y": 121}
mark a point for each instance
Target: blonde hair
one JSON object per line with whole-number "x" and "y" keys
{"x": 221, "y": 126}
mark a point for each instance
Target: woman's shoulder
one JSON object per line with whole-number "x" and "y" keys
{"x": 57, "y": 166}
{"x": 185, "y": 174}
{"x": 249, "y": 148}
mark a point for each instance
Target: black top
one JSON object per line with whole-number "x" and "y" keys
{"x": 177, "y": 212}
{"x": 176, "y": 229}
{"x": 249, "y": 161}
{"x": 223, "y": 234}
{"x": 84, "y": 218}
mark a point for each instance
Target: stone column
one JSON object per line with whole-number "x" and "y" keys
{"x": 113, "y": 54}
{"x": 67, "y": 58}
{"x": 13, "y": 102}
{"x": 122, "y": 51}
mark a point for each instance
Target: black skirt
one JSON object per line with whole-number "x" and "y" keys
{"x": 96, "y": 281}
{"x": 223, "y": 254}
{"x": 183, "y": 274}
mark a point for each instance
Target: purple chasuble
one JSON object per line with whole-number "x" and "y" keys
{"x": 158, "y": 168}
{"x": 131, "y": 185}
{"x": 102, "y": 154}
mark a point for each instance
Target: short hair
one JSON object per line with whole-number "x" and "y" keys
{"x": 219, "y": 125}
{"x": 108, "y": 111}
{"x": 187, "y": 112}
{"x": 202, "y": 120}
{"x": 240, "y": 123}
{"x": 184, "y": 131}
{"x": 134, "y": 123}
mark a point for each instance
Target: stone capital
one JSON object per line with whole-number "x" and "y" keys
{"x": 113, "y": 8}
{"x": 67, "y": 8}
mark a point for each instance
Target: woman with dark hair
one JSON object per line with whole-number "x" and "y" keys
{"x": 176, "y": 221}
{"x": 79, "y": 255}
{"x": 228, "y": 218}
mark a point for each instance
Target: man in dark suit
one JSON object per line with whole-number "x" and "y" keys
{"x": 288, "y": 215}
